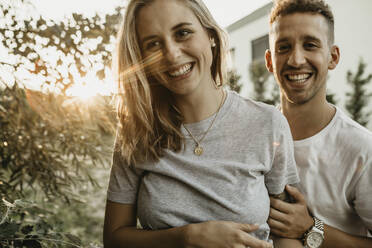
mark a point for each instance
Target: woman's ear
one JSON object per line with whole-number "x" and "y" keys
{"x": 212, "y": 41}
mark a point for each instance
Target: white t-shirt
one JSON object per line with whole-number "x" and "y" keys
{"x": 335, "y": 168}
{"x": 248, "y": 153}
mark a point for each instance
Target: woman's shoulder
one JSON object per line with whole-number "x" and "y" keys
{"x": 256, "y": 107}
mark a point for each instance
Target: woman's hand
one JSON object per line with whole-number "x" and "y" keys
{"x": 223, "y": 234}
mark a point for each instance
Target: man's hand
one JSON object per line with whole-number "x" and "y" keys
{"x": 290, "y": 220}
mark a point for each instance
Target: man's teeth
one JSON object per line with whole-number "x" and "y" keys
{"x": 299, "y": 78}
{"x": 180, "y": 71}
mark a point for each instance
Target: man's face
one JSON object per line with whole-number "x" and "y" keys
{"x": 300, "y": 56}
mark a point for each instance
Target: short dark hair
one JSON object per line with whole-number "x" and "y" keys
{"x": 287, "y": 7}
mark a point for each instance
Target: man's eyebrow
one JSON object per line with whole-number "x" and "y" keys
{"x": 150, "y": 37}
{"x": 284, "y": 39}
{"x": 312, "y": 38}
{"x": 307, "y": 37}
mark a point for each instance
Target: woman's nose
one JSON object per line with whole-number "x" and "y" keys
{"x": 172, "y": 51}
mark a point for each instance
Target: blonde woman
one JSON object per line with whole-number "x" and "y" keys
{"x": 193, "y": 162}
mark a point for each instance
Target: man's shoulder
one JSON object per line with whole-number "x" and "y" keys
{"x": 352, "y": 132}
{"x": 352, "y": 127}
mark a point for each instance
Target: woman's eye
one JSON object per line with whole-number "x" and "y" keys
{"x": 183, "y": 33}
{"x": 152, "y": 45}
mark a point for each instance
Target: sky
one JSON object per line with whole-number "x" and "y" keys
{"x": 225, "y": 12}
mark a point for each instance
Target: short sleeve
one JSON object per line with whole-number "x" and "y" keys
{"x": 124, "y": 179}
{"x": 363, "y": 195}
{"x": 283, "y": 170}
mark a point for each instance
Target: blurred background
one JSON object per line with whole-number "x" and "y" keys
{"x": 57, "y": 109}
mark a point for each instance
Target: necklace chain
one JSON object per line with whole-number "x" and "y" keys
{"x": 199, "y": 149}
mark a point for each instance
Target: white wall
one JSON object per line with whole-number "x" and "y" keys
{"x": 241, "y": 39}
{"x": 353, "y": 34}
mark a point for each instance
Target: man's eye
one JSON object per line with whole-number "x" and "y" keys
{"x": 283, "y": 48}
{"x": 310, "y": 45}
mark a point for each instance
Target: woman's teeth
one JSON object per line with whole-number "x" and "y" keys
{"x": 298, "y": 78}
{"x": 180, "y": 71}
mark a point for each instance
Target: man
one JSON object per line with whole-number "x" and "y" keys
{"x": 333, "y": 153}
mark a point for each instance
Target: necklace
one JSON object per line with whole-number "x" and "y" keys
{"x": 198, "y": 148}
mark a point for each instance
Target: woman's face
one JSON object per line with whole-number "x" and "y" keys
{"x": 170, "y": 29}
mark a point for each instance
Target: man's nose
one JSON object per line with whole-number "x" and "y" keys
{"x": 296, "y": 57}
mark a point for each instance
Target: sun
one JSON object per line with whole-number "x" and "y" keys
{"x": 90, "y": 86}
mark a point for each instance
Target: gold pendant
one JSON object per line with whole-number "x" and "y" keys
{"x": 198, "y": 150}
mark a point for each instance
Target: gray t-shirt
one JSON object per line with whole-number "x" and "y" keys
{"x": 248, "y": 154}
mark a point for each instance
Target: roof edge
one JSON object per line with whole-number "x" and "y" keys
{"x": 264, "y": 10}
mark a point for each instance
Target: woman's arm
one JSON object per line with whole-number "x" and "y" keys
{"x": 120, "y": 231}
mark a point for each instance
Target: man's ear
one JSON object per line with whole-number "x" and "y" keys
{"x": 268, "y": 61}
{"x": 335, "y": 57}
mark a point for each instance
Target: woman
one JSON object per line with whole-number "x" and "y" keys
{"x": 192, "y": 161}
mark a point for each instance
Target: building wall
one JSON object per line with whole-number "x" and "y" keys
{"x": 353, "y": 34}
{"x": 241, "y": 40}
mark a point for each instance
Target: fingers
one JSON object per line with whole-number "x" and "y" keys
{"x": 248, "y": 227}
{"x": 296, "y": 194}
{"x": 254, "y": 242}
{"x": 280, "y": 205}
{"x": 278, "y": 228}
{"x": 275, "y": 224}
{"x": 251, "y": 241}
{"x": 278, "y": 215}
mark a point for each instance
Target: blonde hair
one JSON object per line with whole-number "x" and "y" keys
{"x": 149, "y": 122}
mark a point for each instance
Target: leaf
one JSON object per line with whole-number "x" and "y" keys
{"x": 27, "y": 229}
{"x": 8, "y": 230}
{"x": 32, "y": 244}
{"x": 74, "y": 239}
{"x": 8, "y": 204}
{"x": 101, "y": 74}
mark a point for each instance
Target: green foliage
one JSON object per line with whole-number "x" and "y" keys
{"x": 44, "y": 145}
{"x": 57, "y": 52}
{"x": 331, "y": 98}
{"x": 358, "y": 98}
{"x": 51, "y": 145}
{"x": 24, "y": 224}
{"x": 233, "y": 81}
{"x": 259, "y": 77}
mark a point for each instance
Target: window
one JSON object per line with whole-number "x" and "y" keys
{"x": 259, "y": 47}
{"x": 231, "y": 59}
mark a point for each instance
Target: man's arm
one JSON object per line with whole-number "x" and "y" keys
{"x": 287, "y": 243}
{"x": 280, "y": 242}
{"x": 292, "y": 220}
